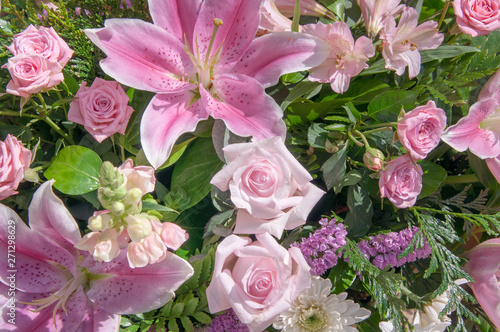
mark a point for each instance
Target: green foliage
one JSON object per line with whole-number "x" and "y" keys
{"x": 76, "y": 170}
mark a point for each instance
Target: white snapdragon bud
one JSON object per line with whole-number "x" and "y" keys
{"x": 138, "y": 226}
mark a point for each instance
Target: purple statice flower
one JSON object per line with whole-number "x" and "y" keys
{"x": 320, "y": 249}
{"x": 227, "y": 322}
{"x": 384, "y": 249}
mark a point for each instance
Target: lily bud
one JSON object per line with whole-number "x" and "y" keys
{"x": 373, "y": 159}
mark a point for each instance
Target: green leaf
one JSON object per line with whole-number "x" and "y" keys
{"x": 191, "y": 306}
{"x": 341, "y": 276}
{"x": 334, "y": 168}
{"x": 317, "y": 135}
{"x": 351, "y": 178}
{"x": 433, "y": 176}
{"x": 172, "y": 325}
{"x": 386, "y": 106}
{"x": 176, "y": 152}
{"x": 194, "y": 170}
{"x": 177, "y": 310}
{"x": 76, "y": 170}
{"x": 446, "y": 51}
{"x": 217, "y": 220}
{"x": 300, "y": 90}
{"x": 359, "y": 218}
{"x": 202, "y": 317}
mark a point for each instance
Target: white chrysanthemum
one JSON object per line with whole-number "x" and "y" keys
{"x": 316, "y": 310}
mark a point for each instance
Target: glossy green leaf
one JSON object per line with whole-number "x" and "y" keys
{"x": 359, "y": 218}
{"x": 194, "y": 170}
{"x": 76, "y": 170}
{"x": 334, "y": 168}
{"x": 433, "y": 176}
{"x": 341, "y": 277}
{"x": 386, "y": 106}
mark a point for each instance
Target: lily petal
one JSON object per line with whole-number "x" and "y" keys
{"x": 244, "y": 107}
{"x": 165, "y": 119}
{"x": 154, "y": 59}
{"x": 151, "y": 286}
{"x": 97, "y": 320}
{"x": 177, "y": 17}
{"x": 42, "y": 321}
{"x": 48, "y": 216}
{"x": 35, "y": 256}
{"x": 275, "y": 54}
{"x": 240, "y": 21}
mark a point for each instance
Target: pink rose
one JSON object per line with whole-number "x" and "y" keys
{"x": 477, "y": 17}
{"x": 101, "y": 108}
{"x": 44, "y": 42}
{"x": 268, "y": 185}
{"x": 401, "y": 181}
{"x": 259, "y": 279}
{"x": 31, "y": 74}
{"x": 420, "y": 130}
{"x": 142, "y": 177}
{"x": 373, "y": 159}
{"x": 15, "y": 159}
{"x": 484, "y": 267}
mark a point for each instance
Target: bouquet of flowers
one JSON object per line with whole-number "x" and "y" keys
{"x": 250, "y": 165}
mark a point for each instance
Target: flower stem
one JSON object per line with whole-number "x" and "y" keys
{"x": 296, "y": 16}
{"x": 9, "y": 113}
{"x": 58, "y": 130}
{"x": 353, "y": 139}
{"x": 378, "y": 125}
{"x": 414, "y": 297}
{"x": 376, "y": 130}
{"x": 367, "y": 145}
{"x": 458, "y": 179}
{"x": 445, "y": 10}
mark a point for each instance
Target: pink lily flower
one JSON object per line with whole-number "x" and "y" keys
{"x": 58, "y": 288}
{"x": 346, "y": 59}
{"x": 401, "y": 45}
{"x": 272, "y": 20}
{"x": 307, "y": 7}
{"x": 484, "y": 267}
{"x": 202, "y": 60}
{"x": 479, "y": 130}
{"x": 376, "y": 11}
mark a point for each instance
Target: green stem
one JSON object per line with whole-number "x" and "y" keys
{"x": 378, "y": 125}
{"x": 44, "y": 106}
{"x": 367, "y": 145}
{"x": 353, "y": 139}
{"x": 368, "y": 132}
{"x": 296, "y": 16}
{"x": 458, "y": 179}
{"x": 59, "y": 130}
{"x": 9, "y": 113}
{"x": 414, "y": 297}
{"x": 445, "y": 10}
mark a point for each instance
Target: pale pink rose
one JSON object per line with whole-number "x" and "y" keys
{"x": 347, "y": 59}
{"x": 373, "y": 159}
{"x": 101, "y": 108}
{"x": 15, "y": 159}
{"x": 142, "y": 177}
{"x": 259, "y": 279}
{"x": 401, "y": 181}
{"x": 401, "y": 45}
{"x": 42, "y": 41}
{"x": 477, "y": 17}
{"x": 484, "y": 267}
{"x": 376, "y": 11}
{"x": 420, "y": 130}
{"x": 31, "y": 74}
{"x": 269, "y": 186}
